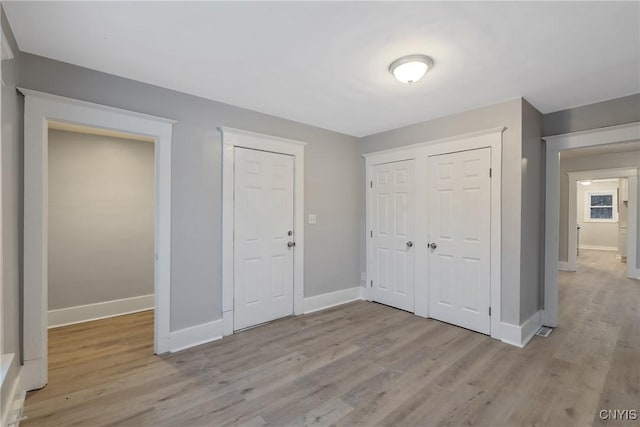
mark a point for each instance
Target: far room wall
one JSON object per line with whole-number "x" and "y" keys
{"x": 602, "y": 235}
{"x": 586, "y": 163}
{"x": 101, "y": 218}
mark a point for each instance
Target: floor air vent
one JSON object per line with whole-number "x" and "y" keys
{"x": 544, "y": 331}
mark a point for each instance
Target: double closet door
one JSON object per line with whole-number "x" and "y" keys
{"x": 455, "y": 246}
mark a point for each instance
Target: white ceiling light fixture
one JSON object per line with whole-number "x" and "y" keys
{"x": 411, "y": 68}
{"x": 585, "y": 182}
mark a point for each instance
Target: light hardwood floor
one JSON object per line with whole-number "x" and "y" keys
{"x": 357, "y": 364}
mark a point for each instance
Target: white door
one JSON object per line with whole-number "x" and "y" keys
{"x": 459, "y": 237}
{"x": 263, "y": 229}
{"x": 392, "y": 234}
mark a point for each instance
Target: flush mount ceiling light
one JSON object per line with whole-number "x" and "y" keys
{"x": 411, "y": 68}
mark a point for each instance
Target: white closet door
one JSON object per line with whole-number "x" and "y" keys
{"x": 393, "y": 228}
{"x": 263, "y": 260}
{"x": 459, "y": 234}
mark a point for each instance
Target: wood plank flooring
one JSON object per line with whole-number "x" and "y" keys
{"x": 359, "y": 364}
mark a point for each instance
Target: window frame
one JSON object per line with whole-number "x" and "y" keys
{"x": 588, "y": 206}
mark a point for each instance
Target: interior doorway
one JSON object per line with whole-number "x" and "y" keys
{"x": 604, "y": 154}
{"x": 40, "y": 110}
{"x": 101, "y": 224}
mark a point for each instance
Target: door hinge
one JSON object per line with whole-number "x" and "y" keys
{"x": 489, "y": 311}
{"x": 490, "y": 172}
{"x": 372, "y": 234}
{"x": 371, "y": 183}
{"x": 371, "y": 284}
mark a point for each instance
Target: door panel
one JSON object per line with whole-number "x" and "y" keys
{"x": 459, "y": 224}
{"x": 263, "y": 264}
{"x": 392, "y": 227}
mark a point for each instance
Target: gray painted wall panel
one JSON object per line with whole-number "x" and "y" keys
{"x": 332, "y": 180}
{"x": 601, "y": 114}
{"x": 531, "y": 256}
{"x": 507, "y": 114}
{"x": 101, "y": 218}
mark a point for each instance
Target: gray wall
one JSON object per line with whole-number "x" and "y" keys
{"x": 12, "y": 155}
{"x": 601, "y": 114}
{"x": 101, "y": 218}
{"x": 603, "y": 234}
{"x": 575, "y": 164}
{"x": 532, "y": 213}
{"x": 333, "y": 183}
{"x": 507, "y": 114}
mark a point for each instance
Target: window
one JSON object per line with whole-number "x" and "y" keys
{"x": 601, "y": 206}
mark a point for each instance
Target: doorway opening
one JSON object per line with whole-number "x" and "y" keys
{"x": 41, "y": 110}
{"x": 100, "y": 239}
{"x": 591, "y": 182}
{"x": 602, "y": 216}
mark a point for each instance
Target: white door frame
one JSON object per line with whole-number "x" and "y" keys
{"x": 420, "y": 153}
{"x": 572, "y": 237}
{"x": 39, "y": 109}
{"x": 232, "y": 138}
{"x": 554, "y": 145}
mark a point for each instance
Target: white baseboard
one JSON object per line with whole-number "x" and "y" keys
{"x": 101, "y": 310}
{"x": 599, "y": 248}
{"x": 15, "y": 404}
{"x": 331, "y": 299}
{"x": 521, "y": 335}
{"x": 196, "y": 335}
{"x": 565, "y": 266}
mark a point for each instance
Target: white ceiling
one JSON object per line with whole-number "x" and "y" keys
{"x": 325, "y": 63}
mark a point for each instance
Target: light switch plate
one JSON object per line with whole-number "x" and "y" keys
{"x": 313, "y": 218}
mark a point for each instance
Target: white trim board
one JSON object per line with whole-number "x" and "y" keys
{"x": 554, "y": 145}
{"x": 332, "y": 299}
{"x": 564, "y": 266}
{"x": 15, "y": 403}
{"x": 521, "y": 335}
{"x": 101, "y": 310}
{"x": 572, "y": 232}
{"x": 491, "y": 138}
{"x": 39, "y": 109}
{"x": 599, "y": 248}
{"x": 195, "y": 335}
{"x": 232, "y": 138}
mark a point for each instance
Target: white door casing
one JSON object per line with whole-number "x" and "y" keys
{"x": 459, "y": 239}
{"x": 39, "y": 109}
{"x": 263, "y": 259}
{"x": 392, "y": 232}
{"x": 232, "y": 138}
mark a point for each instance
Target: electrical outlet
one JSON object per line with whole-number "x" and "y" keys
{"x": 313, "y": 218}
